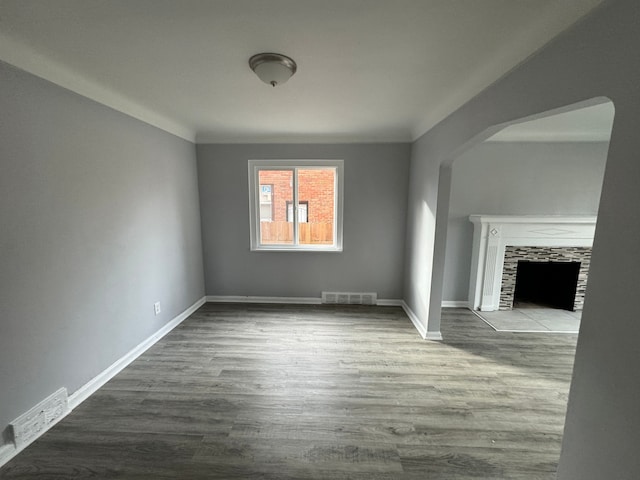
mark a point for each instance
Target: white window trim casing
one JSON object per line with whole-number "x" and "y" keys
{"x": 254, "y": 207}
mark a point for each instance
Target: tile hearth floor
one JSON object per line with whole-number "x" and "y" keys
{"x": 532, "y": 318}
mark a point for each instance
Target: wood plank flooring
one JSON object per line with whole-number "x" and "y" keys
{"x": 320, "y": 392}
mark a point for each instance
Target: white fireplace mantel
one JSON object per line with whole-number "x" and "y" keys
{"x": 493, "y": 233}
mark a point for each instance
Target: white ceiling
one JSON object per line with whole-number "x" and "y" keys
{"x": 368, "y": 70}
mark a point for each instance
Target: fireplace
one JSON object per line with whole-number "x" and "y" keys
{"x": 550, "y": 284}
{"x": 555, "y": 276}
{"x": 501, "y": 243}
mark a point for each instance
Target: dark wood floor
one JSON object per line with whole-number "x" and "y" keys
{"x": 296, "y": 392}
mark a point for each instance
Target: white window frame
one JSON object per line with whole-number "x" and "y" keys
{"x": 254, "y": 203}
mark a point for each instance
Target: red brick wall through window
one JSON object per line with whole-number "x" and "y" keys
{"x": 315, "y": 186}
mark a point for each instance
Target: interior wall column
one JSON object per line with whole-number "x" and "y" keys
{"x": 440, "y": 244}
{"x": 601, "y": 428}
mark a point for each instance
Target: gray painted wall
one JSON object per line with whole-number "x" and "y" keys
{"x": 375, "y": 186}
{"x": 516, "y": 178}
{"x": 597, "y": 58}
{"x": 99, "y": 219}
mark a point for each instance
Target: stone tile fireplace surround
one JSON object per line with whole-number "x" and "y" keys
{"x": 513, "y": 254}
{"x": 499, "y": 241}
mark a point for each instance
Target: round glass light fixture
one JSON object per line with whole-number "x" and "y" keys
{"x": 273, "y": 68}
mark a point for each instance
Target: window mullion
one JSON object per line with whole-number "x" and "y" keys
{"x": 335, "y": 206}
{"x": 295, "y": 207}
{"x": 256, "y": 176}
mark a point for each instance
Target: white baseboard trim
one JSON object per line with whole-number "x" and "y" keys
{"x": 80, "y": 395}
{"x": 414, "y": 319}
{"x": 8, "y": 451}
{"x": 434, "y": 336}
{"x": 254, "y": 299}
{"x": 437, "y": 336}
{"x": 389, "y": 302}
{"x": 287, "y": 300}
{"x": 455, "y": 304}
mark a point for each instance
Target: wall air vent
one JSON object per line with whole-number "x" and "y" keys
{"x": 349, "y": 298}
{"x": 30, "y": 425}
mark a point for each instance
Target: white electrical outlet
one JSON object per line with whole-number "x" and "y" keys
{"x": 156, "y": 308}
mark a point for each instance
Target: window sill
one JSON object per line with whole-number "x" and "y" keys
{"x": 306, "y": 249}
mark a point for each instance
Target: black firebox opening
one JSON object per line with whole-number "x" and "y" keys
{"x": 551, "y": 284}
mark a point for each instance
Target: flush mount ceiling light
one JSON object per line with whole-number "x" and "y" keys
{"x": 273, "y": 68}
